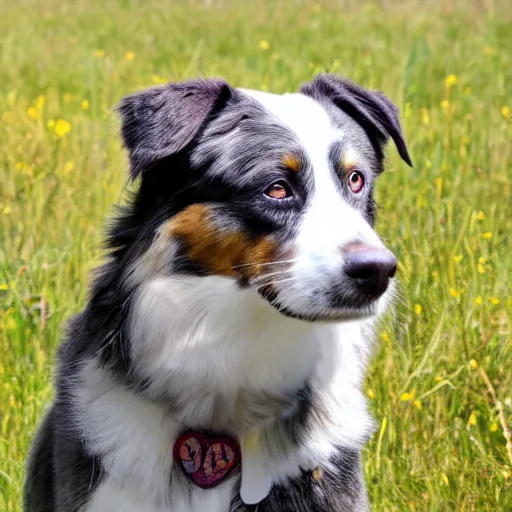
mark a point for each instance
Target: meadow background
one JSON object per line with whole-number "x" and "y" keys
{"x": 441, "y": 382}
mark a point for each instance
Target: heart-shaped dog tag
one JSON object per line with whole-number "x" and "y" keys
{"x": 207, "y": 461}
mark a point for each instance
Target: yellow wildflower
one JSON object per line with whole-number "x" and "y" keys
{"x": 505, "y": 111}
{"x": 50, "y": 123}
{"x": 32, "y": 112}
{"x": 450, "y": 80}
{"x": 478, "y": 300}
{"x": 438, "y": 378}
{"x": 407, "y": 397}
{"x": 487, "y": 235}
{"x": 506, "y": 474}
{"x": 371, "y": 394}
{"x": 4, "y": 287}
{"x": 493, "y": 427}
{"x": 480, "y": 215}
{"x": 385, "y": 336}
{"x": 7, "y": 209}
{"x": 264, "y": 45}
{"x": 473, "y": 364}
{"x": 99, "y": 54}
{"x": 481, "y": 268}
{"x": 129, "y": 56}
{"x": 482, "y": 260}
{"x": 62, "y": 127}
{"x": 425, "y": 117}
{"x": 11, "y": 324}
{"x": 85, "y": 104}
{"x": 472, "y": 419}
{"x": 445, "y": 104}
{"x": 418, "y": 309}
{"x": 418, "y": 404}
{"x": 69, "y": 166}
{"x": 444, "y": 478}
{"x": 494, "y": 301}
{"x": 454, "y": 293}
{"x": 20, "y": 165}
{"x": 457, "y": 258}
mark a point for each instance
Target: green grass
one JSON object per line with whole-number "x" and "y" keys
{"x": 441, "y": 444}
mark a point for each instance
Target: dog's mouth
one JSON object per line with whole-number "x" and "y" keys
{"x": 334, "y": 314}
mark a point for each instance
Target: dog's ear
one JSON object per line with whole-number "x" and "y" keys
{"x": 371, "y": 109}
{"x": 163, "y": 121}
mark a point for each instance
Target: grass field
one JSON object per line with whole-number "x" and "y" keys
{"x": 441, "y": 382}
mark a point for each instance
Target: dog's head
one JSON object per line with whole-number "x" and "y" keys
{"x": 273, "y": 193}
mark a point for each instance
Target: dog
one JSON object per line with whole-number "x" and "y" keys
{"x": 218, "y": 363}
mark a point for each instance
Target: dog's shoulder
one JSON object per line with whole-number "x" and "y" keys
{"x": 61, "y": 476}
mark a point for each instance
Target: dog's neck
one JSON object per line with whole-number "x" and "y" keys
{"x": 227, "y": 360}
{"x": 225, "y": 363}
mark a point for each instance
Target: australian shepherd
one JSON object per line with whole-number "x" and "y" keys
{"x": 218, "y": 363}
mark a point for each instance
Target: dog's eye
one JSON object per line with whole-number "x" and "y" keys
{"x": 279, "y": 190}
{"x": 356, "y": 182}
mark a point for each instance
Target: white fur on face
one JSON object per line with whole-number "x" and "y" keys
{"x": 205, "y": 333}
{"x": 329, "y": 224}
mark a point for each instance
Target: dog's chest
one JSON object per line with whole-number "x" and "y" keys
{"x": 111, "y": 497}
{"x": 134, "y": 439}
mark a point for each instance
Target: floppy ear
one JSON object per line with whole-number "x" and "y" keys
{"x": 162, "y": 121}
{"x": 371, "y": 109}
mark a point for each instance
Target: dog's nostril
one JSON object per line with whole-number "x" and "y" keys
{"x": 370, "y": 269}
{"x": 360, "y": 273}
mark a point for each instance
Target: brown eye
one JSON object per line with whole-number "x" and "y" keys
{"x": 278, "y": 190}
{"x": 356, "y": 182}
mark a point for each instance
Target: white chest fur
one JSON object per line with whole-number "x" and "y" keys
{"x": 135, "y": 437}
{"x": 111, "y": 497}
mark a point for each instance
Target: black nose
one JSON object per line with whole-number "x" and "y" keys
{"x": 370, "y": 269}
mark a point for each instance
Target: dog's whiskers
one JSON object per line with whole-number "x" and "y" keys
{"x": 244, "y": 265}
{"x": 257, "y": 279}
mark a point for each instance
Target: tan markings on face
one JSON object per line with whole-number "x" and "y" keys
{"x": 292, "y": 161}
{"x": 219, "y": 251}
{"x": 349, "y": 161}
